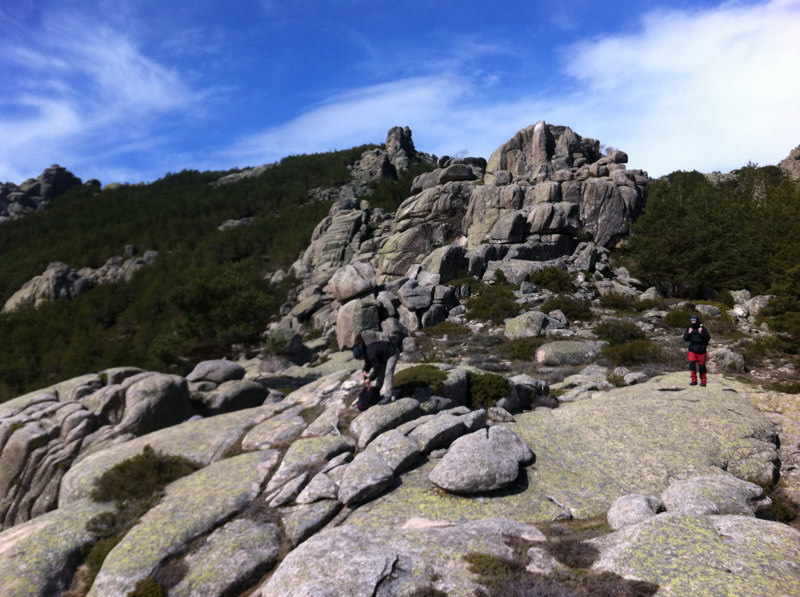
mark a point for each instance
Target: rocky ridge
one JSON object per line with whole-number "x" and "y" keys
{"x": 297, "y": 487}
{"x": 37, "y": 193}
{"x": 60, "y": 281}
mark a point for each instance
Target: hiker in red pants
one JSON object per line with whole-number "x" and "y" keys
{"x": 698, "y": 337}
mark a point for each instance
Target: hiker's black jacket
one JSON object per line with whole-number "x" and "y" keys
{"x": 698, "y": 337}
{"x": 376, "y": 355}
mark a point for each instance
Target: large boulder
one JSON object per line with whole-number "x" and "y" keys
{"x": 230, "y": 396}
{"x": 39, "y": 557}
{"x": 366, "y": 561}
{"x": 351, "y": 281}
{"x": 482, "y": 461}
{"x": 530, "y": 323}
{"x": 686, "y": 554}
{"x": 40, "y": 437}
{"x": 192, "y": 507}
{"x": 355, "y": 317}
{"x": 217, "y": 371}
{"x": 715, "y": 494}
{"x": 371, "y": 423}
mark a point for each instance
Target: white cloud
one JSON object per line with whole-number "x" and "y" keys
{"x": 705, "y": 89}
{"x": 354, "y": 117}
{"x": 710, "y": 89}
{"x": 82, "y": 87}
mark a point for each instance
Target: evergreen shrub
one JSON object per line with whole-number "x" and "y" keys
{"x": 617, "y": 332}
{"x": 493, "y": 302}
{"x": 635, "y": 352}
{"x": 141, "y": 476}
{"x": 552, "y": 278}
{"x": 618, "y": 301}
{"x": 485, "y": 389}
{"x": 521, "y": 349}
{"x": 573, "y": 308}
{"x": 420, "y": 376}
{"x": 726, "y": 298}
{"x": 147, "y": 587}
{"x": 678, "y": 318}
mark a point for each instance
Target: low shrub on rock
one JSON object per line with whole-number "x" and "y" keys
{"x": 552, "y": 278}
{"x": 421, "y": 376}
{"x": 521, "y": 349}
{"x": 635, "y": 352}
{"x": 134, "y": 485}
{"x": 141, "y": 476}
{"x": 574, "y": 309}
{"x": 493, "y": 302}
{"x": 485, "y": 389}
{"x": 618, "y": 301}
{"x": 617, "y": 332}
{"x": 147, "y": 587}
{"x": 678, "y": 318}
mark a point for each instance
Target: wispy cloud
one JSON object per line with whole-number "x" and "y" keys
{"x": 81, "y": 86}
{"x": 706, "y": 89}
{"x": 714, "y": 87}
{"x": 364, "y": 115}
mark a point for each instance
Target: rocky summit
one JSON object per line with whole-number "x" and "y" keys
{"x": 36, "y": 193}
{"x": 488, "y": 474}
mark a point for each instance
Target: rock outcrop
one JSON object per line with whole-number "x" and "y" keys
{"x": 36, "y": 193}
{"x": 791, "y": 164}
{"x": 60, "y": 281}
{"x": 547, "y": 197}
{"x": 420, "y": 495}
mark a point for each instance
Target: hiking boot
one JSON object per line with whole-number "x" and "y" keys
{"x": 384, "y": 400}
{"x": 694, "y": 383}
{"x": 703, "y": 384}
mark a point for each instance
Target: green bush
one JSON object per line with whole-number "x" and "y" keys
{"x": 726, "y": 298}
{"x": 521, "y": 349}
{"x": 618, "y": 301}
{"x": 617, "y": 332}
{"x": 140, "y": 477}
{"x": 552, "y": 278}
{"x": 574, "y": 309}
{"x": 421, "y": 376}
{"x": 485, "y": 389}
{"x": 651, "y": 303}
{"x": 678, "y": 318}
{"x": 97, "y": 554}
{"x": 636, "y": 352}
{"x": 782, "y": 313}
{"x": 147, "y": 587}
{"x": 493, "y": 302}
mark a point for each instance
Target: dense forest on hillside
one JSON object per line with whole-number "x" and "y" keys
{"x": 697, "y": 239}
{"x": 208, "y": 293}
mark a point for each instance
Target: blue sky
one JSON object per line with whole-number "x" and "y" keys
{"x": 130, "y": 90}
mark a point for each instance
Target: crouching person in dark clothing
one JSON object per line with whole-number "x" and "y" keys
{"x": 698, "y": 337}
{"x": 380, "y": 359}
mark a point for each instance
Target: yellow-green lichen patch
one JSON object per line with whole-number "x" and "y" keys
{"x": 417, "y": 497}
{"x": 192, "y": 506}
{"x": 638, "y": 439}
{"x": 706, "y": 555}
{"x": 38, "y": 557}
{"x": 202, "y": 441}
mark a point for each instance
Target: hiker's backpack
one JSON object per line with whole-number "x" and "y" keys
{"x": 368, "y": 396}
